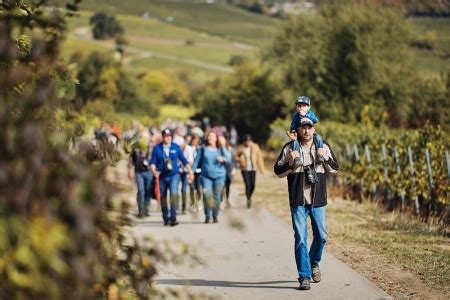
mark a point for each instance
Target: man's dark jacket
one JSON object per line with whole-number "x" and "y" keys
{"x": 296, "y": 177}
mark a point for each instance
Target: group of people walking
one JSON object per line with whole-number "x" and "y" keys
{"x": 180, "y": 163}
{"x": 305, "y": 161}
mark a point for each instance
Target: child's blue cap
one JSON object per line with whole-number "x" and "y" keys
{"x": 303, "y": 99}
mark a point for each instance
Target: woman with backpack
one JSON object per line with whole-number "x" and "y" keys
{"x": 212, "y": 159}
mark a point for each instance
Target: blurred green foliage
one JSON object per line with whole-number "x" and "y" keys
{"x": 355, "y": 64}
{"x": 62, "y": 229}
{"x": 105, "y": 89}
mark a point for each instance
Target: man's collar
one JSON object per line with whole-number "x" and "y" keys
{"x": 306, "y": 144}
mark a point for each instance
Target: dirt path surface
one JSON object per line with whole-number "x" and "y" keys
{"x": 249, "y": 254}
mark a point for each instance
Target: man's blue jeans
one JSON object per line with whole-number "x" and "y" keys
{"x": 212, "y": 194}
{"x": 144, "y": 185}
{"x": 169, "y": 183}
{"x": 303, "y": 259}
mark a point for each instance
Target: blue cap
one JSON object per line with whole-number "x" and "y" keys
{"x": 303, "y": 99}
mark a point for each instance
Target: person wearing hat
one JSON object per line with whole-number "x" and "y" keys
{"x": 303, "y": 105}
{"x": 164, "y": 164}
{"x": 307, "y": 197}
{"x": 249, "y": 158}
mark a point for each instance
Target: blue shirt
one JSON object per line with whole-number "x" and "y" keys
{"x": 175, "y": 154}
{"x": 296, "y": 119}
{"x": 206, "y": 160}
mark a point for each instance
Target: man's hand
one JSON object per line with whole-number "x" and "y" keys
{"x": 130, "y": 175}
{"x": 220, "y": 159}
{"x": 322, "y": 152}
{"x": 293, "y": 156}
{"x": 156, "y": 174}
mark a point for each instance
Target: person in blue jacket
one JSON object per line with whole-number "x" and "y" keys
{"x": 303, "y": 107}
{"x": 164, "y": 164}
{"x": 212, "y": 159}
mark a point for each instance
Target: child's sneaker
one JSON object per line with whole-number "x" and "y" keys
{"x": 320, "y": 159}
{"x": 292, "y": 135}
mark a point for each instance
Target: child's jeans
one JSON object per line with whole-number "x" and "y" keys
{"x": 317, "y": 139}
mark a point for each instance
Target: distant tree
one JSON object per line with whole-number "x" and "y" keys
{"x": 352, "y": 60}
{"x": 105, "y": 26}
{"x": 237, "y": 60}
{"x": 256, "y": 7}
{"x": 249, "y": 99}
{"x": 166, "y": 86}
{"x": 102, "y": 79}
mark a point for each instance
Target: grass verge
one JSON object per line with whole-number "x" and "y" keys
{"x": 403, "y": 256}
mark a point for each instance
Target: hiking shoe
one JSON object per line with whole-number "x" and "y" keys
{"x": 316, "y": 277}
{"x": 215, "y": 220}
{"x": 304, "y": 284}
{"x": 207, "y": 219}
{"x": 173, "y": 223}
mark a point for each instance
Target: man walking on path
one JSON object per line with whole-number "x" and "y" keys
{"x": 164, "y": 164}
{"x": 249, "y": 158}
{"x": 307, "y": 197}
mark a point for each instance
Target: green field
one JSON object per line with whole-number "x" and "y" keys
{"x": 167, "y": 42}
{"x": 218, "y": 19}
{"x": 439, "y": 25}
{"x": 214, "y": 56}
{"x": 211, "y": 30}
{"x": 136, "y": 25}
{"x": 433, "y": 60}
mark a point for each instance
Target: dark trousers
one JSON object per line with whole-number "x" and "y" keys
{"x": 249, "y": 180}
{"x": 227, "y": 187}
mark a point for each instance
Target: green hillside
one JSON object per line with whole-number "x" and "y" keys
{"x": 437, "y": 59}
{"x": 218, "y": 18}
{"x": 154, "y": 44}
{"x": 208, "y": 32}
